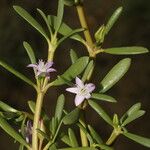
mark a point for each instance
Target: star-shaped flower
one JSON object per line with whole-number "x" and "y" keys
{"x": 43, "y": 69}
{"x": 82, "y": 91}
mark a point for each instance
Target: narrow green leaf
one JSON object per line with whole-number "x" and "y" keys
{"x": 59, "y": 107}
{"x": 100, "y": 35}
{"x": 116, "y": 120}
{"x": 79, "y": 148}
{"x": 88, "y": 71}
{"x": 115, "y": 74}
{"x": 45, "y": 19}
{"x": 84, "y": 130}
{"x": 73, "y": 71}
{"x": 30, "y": 52}
{"x": 23, "y": 125}
{"x": 134, "y": 108}
{"x": 72, "y": 117}
{"x": 62, "y": 79}
{"x": 126, "y": 50}
{"x": 95, "y": 135}
{"x": 69, "y": 2}
{"x": 5, "y": 107}
{"x": 60, "y": 13}
{"x": 53, "y": 125}
{"x": 72, "y": 137}
{"x": 53, "y": 147}
{"x": 17, "y": 74}
{"x": 131, "y": 110}
{"x": 100, "y": 111}
{"x": 69, "y": 35}
{"x": 139, "y": 139}
{"x": 103, "y": 97}
{"x": 25, "y": 15}
{"x": 56, "y": 134}
{"x": 8, "y": 129}
{"x": 8, "y": 115}
{"x": 43, "y": 15}
{"x": 105, "y": 147}
{"x": 133, "y": 116}
{"x": 20, "y": 118}
{"x": 31, "y": 106}
{"x": 43, "y": 134}
{"x": 73, "y": 56}
{"x": 21, "y": 147}
{"x": 113, "y": 19}
{"x": 66, "y": 140}
{"x": 64, "y": 28}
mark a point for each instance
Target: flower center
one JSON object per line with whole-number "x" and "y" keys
{"x": 83, "y": 92}
{"x": 42, "y": 67}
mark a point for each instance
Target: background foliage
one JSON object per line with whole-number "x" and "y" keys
{"x": 133, "y": 28}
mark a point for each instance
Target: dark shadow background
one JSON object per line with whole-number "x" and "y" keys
{"x": 133, "y": 28}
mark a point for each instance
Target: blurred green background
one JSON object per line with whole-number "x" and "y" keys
{"x": 133, "y": 28}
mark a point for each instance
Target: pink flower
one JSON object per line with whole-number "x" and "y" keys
{"x": 43, "y": 69}
{"x": 82, "y": 91}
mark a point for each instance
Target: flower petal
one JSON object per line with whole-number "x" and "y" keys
{"x": 90, "y": 87}
{"x": 51, "y": 70}
{"x": 88, "y": 95}
{"x": 32, "y": 65}
{"x": 40, "y": 63}
{"x": 28, "y": 132}
{"x": 79, "y": 83}
{"x": 72, "y": 90}
{"x": 49, "y": 64}
{"x": 78, "y": 99}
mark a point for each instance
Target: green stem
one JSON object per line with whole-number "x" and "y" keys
{"x": 50, "y": 54}
{"x": 83, "y": 22}
{"x": 52, "y": 45}
{"x": 116, "y": 132}
{"x": 48, "y": 86}
{"x": 37, "y": 114}
{"x": 84, "y": 140}
{"x": 40, "y": 144}
{"x": 48, "y": 145}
